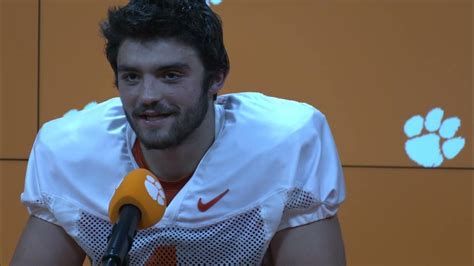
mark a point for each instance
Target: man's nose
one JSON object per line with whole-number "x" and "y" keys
{"x": 151, "y": 90}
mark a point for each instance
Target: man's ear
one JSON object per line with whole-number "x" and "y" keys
{"x": 217, "y": 83}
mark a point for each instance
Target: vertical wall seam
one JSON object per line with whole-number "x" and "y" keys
{"x": 38, "y": 71}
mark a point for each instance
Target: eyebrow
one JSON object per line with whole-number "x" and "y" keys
{"x": 158, "y": 68}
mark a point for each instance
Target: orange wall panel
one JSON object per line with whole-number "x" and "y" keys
{"x": 1, "y": 80}
{"x": 2, "y": 214}
{"x": 368, "y": 65}
{"x": 18, "y": 87}
{"x": 74, "y": 70}
{"x": 407, "y": 216}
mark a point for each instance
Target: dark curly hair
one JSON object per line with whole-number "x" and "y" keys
{"x": 191, "y": 22}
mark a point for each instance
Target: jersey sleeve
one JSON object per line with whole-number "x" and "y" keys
{"x": 319, "y": 188}
{"x": 34, "y": 196}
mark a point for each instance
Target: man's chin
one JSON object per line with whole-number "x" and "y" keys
{"x": 158, "y": 144}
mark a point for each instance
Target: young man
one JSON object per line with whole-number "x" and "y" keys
{"x": 249, "y": 179}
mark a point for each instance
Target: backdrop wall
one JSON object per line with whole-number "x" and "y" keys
{"x": 368, "y": 65}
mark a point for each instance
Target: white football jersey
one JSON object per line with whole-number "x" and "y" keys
{"x": 273, "y": 165}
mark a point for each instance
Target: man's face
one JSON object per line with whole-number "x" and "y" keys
{"x": 160, "y": 85}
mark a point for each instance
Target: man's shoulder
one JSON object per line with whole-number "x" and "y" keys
{"x": 94, "y": 124}
{"x": 260, "y": 112}
{"x": 79, "y": 158}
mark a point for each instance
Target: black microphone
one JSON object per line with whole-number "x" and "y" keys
{"x": 121, "y": 237}
{"x": 138, "y": 203}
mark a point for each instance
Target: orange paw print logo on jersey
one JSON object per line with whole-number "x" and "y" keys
{"x": 155, "y": 190}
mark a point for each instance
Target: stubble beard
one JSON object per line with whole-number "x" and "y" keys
{"x": 183, "y": 125}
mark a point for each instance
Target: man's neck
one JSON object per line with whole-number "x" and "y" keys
{"x": 181, "y": 161}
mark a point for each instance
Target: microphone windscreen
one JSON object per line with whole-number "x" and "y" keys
{"x": 143, "y": 190}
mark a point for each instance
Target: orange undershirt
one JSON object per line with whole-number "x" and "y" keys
{"x": 170, "y": 188}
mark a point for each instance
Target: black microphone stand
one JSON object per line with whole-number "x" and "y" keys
{"x": 121, "y": 237}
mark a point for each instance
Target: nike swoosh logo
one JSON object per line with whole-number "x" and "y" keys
{"x": 205, "y": 206}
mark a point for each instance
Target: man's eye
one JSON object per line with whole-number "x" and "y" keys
{"x": 130, "y": 77}
{"x": 172, "y": 76}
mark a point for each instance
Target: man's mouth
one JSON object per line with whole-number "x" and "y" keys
{"x": 154, "y": 117}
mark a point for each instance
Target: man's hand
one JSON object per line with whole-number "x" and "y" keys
{"x": 44, "y": 243}
{"x": 318, "y": 243}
